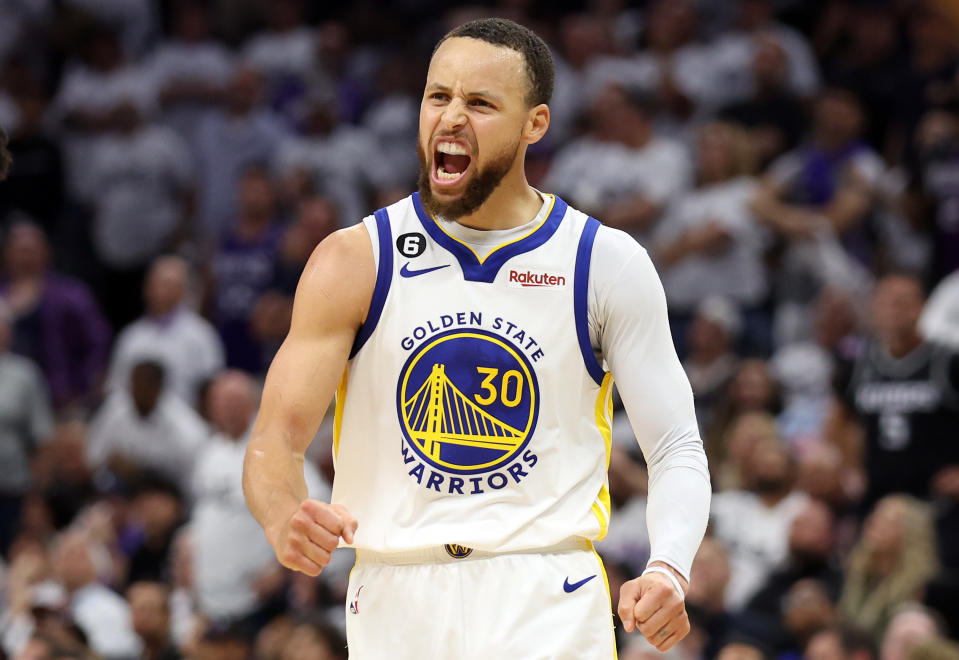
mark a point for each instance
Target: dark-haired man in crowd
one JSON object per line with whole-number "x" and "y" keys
{"x": 901, "y": 396}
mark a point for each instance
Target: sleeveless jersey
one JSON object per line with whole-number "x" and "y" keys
{"x": 909, "y": 409}
{"x": 473, "y": 412}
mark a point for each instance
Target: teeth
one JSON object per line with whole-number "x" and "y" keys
{"x": 441, "y": 173}
{"x": 451, "y": 148}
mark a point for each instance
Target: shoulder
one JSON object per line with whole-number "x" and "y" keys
{"x": 615, "y": 244}
{"x": 340, "y": 274}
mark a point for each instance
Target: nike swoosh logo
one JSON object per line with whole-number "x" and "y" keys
{"x": 406, "y": 272}
{"x": 570, "y": 588}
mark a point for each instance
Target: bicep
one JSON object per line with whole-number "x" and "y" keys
{"x": 640, "y": 353}
{"x": 330, "y": 304}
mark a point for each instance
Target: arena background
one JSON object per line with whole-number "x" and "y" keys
{"x": 792, "y": 167}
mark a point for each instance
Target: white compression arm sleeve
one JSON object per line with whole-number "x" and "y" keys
{"x": 627, "y": 308}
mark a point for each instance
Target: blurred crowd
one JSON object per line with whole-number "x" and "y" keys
{"x": 792, "y": 168}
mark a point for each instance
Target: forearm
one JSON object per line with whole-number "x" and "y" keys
{"x": 677, "y": 508}
{"x": 273, "y": 484}
{"x": 767, "y": 207}
{"x": 659, "y": 402}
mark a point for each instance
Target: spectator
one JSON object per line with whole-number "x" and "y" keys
{"x": 706, "y": 599}
{"x": 102, "y": 615}
{"x": 752, "y": 389}
{"x": 732, "y": 53}
{"x": 185, "y": 623}
{"x": 910, "y": 626}
{"x": 827, "y": 184}
{"x": 150, "y": 614}
{"x": 133, "y": 20}
{"x": 934, "y": 193}
{"x": 61, "y": 474}
{"x": 840, "y": 642}
{"x": 228, "y": 142}
{"x": 315, "y": 219}
{"x": 142, "y": 176}
{"x": 140, "y": 427}
{"x": 35, "y": 184}
{"x": 893, "y": 560}
{"x": 775, "y": 612}
{"x": 868, "y": 62}
{"x": 621, "y": 171}
{"x": 25, "y": 423}
{"x": 88, "y": 98}
{"x": 928, "y": 77}
{"x": 806, "y": 609}
{"x": 243, "y": 270}
{"x": 392, "y": 120}
{"x": 742, "y": 649}
{"x": 183, "y": 342}
{"x": 773, "y": 113}
{"x": 708, "y": 243}
{"x": 338, "y": 161}
{"x": 900, "y": 396}
{"x": 190, "y": 70}
{"x": 154, "y": 514}
{"x": 711, "y": 363}
{"x": 223, "y": 643}
{"x": 754, "y": 523}
{"x": 314, "y": 642}
{"x": 285, "y": 53}
{"x": 57, "y": 322}
{"x": 234, "y": 566}
{"x": 672, "y": 68}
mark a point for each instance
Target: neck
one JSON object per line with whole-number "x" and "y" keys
{"x": 772, "y": 499}
{"x": 513, "y": 203}
{"x": 903, "y": 345}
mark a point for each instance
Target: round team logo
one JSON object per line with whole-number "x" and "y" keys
{"x": 457, "y": 551}
{"x": 467, "y": 401}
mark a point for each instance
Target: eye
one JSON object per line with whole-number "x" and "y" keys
{"x": 439, "y": 96}
{"x": 481, "y": 103}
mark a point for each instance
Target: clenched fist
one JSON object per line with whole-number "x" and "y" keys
{"x": 307, "y": 539}
{"x": 651, "y": 604}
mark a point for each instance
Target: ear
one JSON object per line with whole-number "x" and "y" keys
{"x": 536, "y": 123}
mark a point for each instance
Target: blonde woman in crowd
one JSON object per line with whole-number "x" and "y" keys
{"x": 895, "y": 557}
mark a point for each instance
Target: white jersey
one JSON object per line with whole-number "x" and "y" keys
{"x": 473, "y": 411}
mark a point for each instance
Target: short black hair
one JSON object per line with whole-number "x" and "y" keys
{"x": 5, "y": 158}
{"x": 506, "y": 33}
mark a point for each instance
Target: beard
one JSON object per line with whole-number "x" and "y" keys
{"x": 477, "y": 191}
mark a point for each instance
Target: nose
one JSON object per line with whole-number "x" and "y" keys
{"x": 454, "y": 115}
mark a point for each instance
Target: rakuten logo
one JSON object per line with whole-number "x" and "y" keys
{"x": 528, "y": 278}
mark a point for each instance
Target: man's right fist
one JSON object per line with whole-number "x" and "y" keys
{"x": 306, "y": 541}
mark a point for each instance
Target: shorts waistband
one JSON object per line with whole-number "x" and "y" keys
{"x": 453, "y": 553}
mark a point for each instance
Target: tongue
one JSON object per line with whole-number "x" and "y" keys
{"x": 454, "y": 164}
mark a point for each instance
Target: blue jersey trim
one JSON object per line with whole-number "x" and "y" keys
{"x": 475, "y": 270}
{"x": 584, "y": 254}
{"x": 384, "y": 275}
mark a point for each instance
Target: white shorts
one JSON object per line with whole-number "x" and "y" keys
{"x": 550, "y": 605}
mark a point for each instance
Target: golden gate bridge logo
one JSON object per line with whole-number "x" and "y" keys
{"x": 474, "y": 403}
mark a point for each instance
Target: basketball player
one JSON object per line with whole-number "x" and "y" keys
{"x": 471, "y": 332}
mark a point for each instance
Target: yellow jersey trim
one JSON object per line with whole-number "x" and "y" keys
{"x": 604, "y": 412}
{"x": 552, "y": 203}
{"x": 612, "y": 625}
{"x": 338, "y": 410}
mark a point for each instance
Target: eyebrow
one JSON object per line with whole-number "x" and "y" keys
{"x": 436, "y": 87}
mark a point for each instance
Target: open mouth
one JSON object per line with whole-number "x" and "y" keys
{"x": 450, "y": 162}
